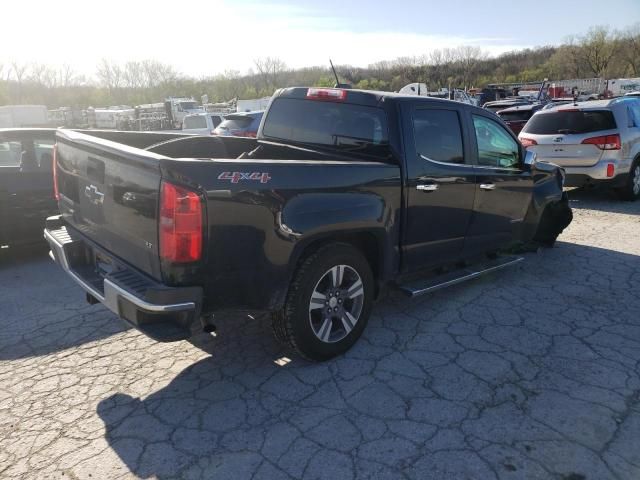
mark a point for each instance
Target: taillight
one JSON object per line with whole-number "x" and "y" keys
{"x": 180, "y": 224}
{"x": 328, "y": 94}
{"x": 54, "y": 169}
{"x": 243, "y": 133}
{"x": 611, "y": 169}
{"x": 528, "y": 142}
{"x": 605, "y": 142}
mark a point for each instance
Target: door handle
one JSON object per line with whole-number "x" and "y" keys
{"x": 487, "y": 186}
{"x": 432, "y": 187}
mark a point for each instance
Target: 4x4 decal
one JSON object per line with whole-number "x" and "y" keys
{"x": 235, "y": 177}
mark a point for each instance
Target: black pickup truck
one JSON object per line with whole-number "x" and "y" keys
{"x": 342, "y": 193}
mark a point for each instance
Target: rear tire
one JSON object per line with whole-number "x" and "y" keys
{"x": 631, "y": 190}
{"x": 328, "y": 303}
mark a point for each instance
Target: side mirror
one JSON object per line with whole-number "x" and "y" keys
{"x": 530, "y": 157}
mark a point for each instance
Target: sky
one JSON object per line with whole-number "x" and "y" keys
{"x": 206, "y": 37}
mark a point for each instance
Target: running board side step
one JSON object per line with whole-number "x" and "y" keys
{"x": 431, "y": 284}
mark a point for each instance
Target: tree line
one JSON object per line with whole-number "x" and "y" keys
{"x": 601, "y": 52}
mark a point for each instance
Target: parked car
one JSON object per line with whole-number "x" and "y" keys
{"x": 596, "y": 142}
{"x": 517, "y": 117}
{"x": 201, "y": 123}
{"x": 26, "y": 184}
{"x": 343, "y": 192}
{"x": 240, "y": 124}
{"x": 506, "y": 103}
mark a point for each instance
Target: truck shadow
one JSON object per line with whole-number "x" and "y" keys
{"x": 252, "y": 405}
{"x": 42, "y": 311}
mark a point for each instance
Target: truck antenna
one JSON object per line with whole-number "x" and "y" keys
{"x": 334, "y": 73}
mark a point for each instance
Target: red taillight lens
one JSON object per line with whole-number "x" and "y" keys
{"x": 328, "y": 94}
{"x": 243, "y": 133}
{"x": 180, "y": 224}
{"x": 611, "y": 169}
{"x": 605, "y": 142}
{"x": 54, "y": 169}
{"x": 528, "y": 142}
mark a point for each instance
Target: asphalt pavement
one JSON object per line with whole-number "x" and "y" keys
{"x": 528, "y": 373}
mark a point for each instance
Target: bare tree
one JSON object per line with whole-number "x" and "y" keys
{"x": 630, "y": 48}
{"x": 598, "y": 47}
{"x": 155, "y": 73}
{"x": 110, "y": 74}
{"x": 270, "y": 69}
{"x": 468, "y": 58}
{"x": 66, "y": 76}
{"x": 43, "y": 75}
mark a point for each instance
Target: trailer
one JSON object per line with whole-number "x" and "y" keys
{"x": 18, "y": 116}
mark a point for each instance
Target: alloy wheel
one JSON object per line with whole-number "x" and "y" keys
{"x": 336, "y": 303}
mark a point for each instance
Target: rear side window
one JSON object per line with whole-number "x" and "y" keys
{"x": 336, "y": 125}
{"x": 438, "y": 135}
{"x": 195, "y": 122}
{"x": 215, "y": 119}
{"x": 570, "y": 122}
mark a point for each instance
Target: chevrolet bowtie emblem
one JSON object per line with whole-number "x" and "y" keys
{"x": 94, "y": 195}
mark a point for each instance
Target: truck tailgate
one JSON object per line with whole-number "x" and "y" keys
{"x": 109, "y": 192}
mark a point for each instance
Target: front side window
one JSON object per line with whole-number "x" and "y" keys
{"x": 496, "y": 148}
{"x": 438, "y": 135}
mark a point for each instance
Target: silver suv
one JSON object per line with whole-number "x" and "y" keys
{"x": 596, "y": 142}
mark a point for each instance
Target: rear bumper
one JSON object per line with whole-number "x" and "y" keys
{"x": 163, "y": 313}
{"x": 596, "y": 174}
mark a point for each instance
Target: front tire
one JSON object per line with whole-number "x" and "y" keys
{"x": 555, "y": 218}
{"x": 328, "y": 303}
{"x": 631, "y": 190}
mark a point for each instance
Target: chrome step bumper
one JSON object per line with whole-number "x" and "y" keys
{"x": 125, "y": 291}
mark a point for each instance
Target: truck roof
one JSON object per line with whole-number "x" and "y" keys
{"x": 363, "y": 97}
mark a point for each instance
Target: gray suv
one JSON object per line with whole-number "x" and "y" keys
{"x": 596, "y": 142}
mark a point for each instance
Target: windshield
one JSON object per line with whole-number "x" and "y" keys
{"x": 195, "y": 122}
{"x": 567, "y": 122}
{"x": 339, "y": 126}
{"x": 188, "y": 105}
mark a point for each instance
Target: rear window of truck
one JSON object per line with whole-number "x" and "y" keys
{"x": 570, "y": 122}
{"x": 344, "y": 127}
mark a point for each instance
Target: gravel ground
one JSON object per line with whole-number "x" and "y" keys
{"x": 529, "y": 373}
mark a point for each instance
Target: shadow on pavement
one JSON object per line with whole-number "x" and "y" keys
{"x": 601, "y": 199}
{"x": 520, "y": 365}
{"x": 42, "y": 311}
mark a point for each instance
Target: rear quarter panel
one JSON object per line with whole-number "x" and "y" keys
{"x": 260, "y": 225}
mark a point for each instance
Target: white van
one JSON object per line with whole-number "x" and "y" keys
{"x": 201, "y": 123}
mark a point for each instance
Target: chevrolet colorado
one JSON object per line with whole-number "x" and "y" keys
{"x": 342, "y": 193}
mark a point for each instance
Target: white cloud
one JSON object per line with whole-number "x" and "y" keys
{"x": 203, "y": 37}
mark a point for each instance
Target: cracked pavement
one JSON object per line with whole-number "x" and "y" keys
{"x": 528, "y": 373}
